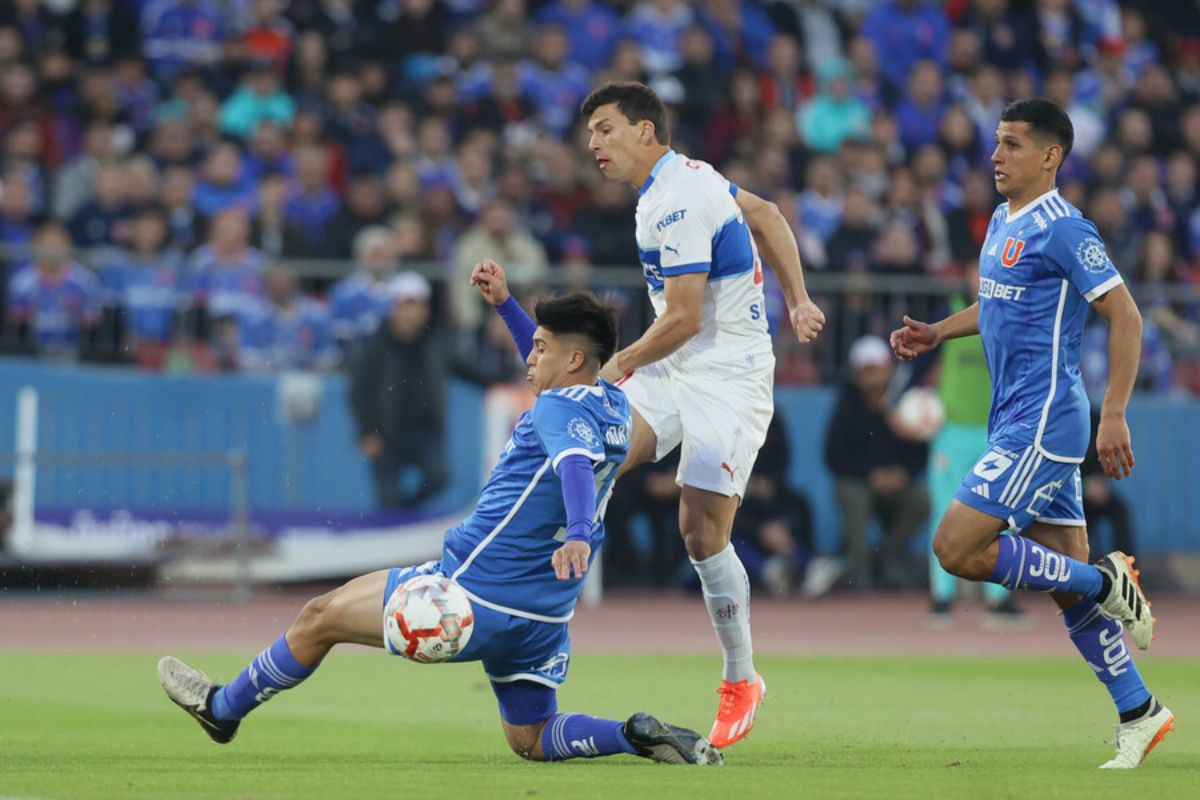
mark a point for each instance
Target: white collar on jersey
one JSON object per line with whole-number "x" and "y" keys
{"x": 1037, "y": 201}
{"x": 663, "y": 159}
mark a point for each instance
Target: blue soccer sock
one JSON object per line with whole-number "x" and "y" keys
{"x": 1025, "y": 564}
{"x": 274, "y": 670}
{"x": 580, "y": 736}
{"x": 1101, "y": 642}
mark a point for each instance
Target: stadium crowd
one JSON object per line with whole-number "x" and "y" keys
{"x": 191, "y": 149}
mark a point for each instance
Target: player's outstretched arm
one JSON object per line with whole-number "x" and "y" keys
{"x": 493, "y": 285}
{"x": 778, "y": 244}
{"x": 681, "y": 321}
{"x": 1114, "y": 445}
{"x": 579, "y": 499}
{"x": 918, "y": 337}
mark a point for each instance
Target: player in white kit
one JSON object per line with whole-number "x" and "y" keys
{"x": 701, "y": 376}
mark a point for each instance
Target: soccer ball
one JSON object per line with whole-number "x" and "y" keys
{"x": 920, "y": 413}
{"x": 428, "y": 619}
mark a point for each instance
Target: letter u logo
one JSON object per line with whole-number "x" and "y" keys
{"x": 1012, "y": 251}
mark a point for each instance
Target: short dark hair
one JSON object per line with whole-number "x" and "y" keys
{"x": 635, "y": 101}
{"x": 1045, "y": 119}
{"x": 581, "y": 314}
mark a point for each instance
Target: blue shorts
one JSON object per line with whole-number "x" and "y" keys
{"x": 511, "y": 648}
{"x": 1014, "y": 482}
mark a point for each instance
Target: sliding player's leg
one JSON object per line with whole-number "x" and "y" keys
{"x": 352, "y": 613}
{"x": 526, "y": 661}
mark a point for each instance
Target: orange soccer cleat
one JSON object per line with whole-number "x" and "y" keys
{"x": 735, "y": 713}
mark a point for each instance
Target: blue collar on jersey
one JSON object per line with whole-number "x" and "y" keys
{"x": 667, "y": 156}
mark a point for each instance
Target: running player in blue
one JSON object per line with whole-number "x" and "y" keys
{"x": 521, "y": 557}
{"x": 1017, "y": 519}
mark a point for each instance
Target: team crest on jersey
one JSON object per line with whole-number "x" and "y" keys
{"x": 581, "y": 431}
{"x": 1092, "y": 255}
{"x": 1012, "y": 251}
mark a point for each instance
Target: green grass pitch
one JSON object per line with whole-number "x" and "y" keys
{"x": 97, "y": 725}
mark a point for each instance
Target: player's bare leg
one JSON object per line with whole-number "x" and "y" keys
{"x": 706, "y": 524}
{"x": 351, "y": 613}
{"x": 643, "y": 444}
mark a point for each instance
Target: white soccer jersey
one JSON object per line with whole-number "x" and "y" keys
{"x": 688, "y": 221}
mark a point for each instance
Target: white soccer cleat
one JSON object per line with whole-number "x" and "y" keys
{"x": 191, "y": 690}
{"x": 1136, "y": 738}
{"x": 1125, "y": 601}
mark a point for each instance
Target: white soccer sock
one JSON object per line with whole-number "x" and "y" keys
{"x": 727, "y": 595}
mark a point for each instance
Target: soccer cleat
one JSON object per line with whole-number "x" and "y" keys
{"x": 669, "y": 744}
{"x": 1124, "y": 600}
{"x": 1136, "y": 738}
{"x": 191, "y": 690}
{"x": 735, "y": 712}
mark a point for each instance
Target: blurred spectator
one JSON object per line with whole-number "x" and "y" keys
{"x": 73, "y": 181}
{"x": 904, "y": 32}
{"x": 607, "y": 225}
{"x": 268, "y": 153}
{"x": 103, "y": 219}
{"x": 592, "y": 28}
{"x": 224, "y": 184}
{"x": 361, "y": 300}
{"x": 738, "y": 30}
{"x": 703, "y": 82}
{"x": 102, "y": 32}
{"x": 848, "y": 249}
{"x": 553, "y": 82}
{"x": 876, "y": 473}
{"x": 504, "y": 30}
{"x": 497, "y": 237}
{"x": 642, "y": 544}
{"x": 53, "y": 303}
{"x": 919, "y": 113}
{"x": 366, "y": 205}
{"x": 312, "y": 203}
{"x": 17, "y": 222}
{"x": 396, "y": 396}
{"x": 487, "y": 355}
{"x": 657, "y": 25}
{"x": 834, "y": 114}
{"x": 144, "y": 290}
{"x": 259, "y": 99}
{"x": 187, "y": 227}
{"x": 782, "y": 84}
{"x": 1006, "y": 34}
{"x": 225, "y": 275}
{"x": 285, "y": 330}
{"x": 268, "y": 38}
{"x": 181, "y": 33}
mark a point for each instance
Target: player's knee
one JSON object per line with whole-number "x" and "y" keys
{"x": 525, "y": 741}
{"x": 949, "y": 553}
{"x": 701, "y": 544}
{"x": 315, "y": 620}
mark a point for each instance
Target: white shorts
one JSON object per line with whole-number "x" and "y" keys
{"x": 720, "y": 419}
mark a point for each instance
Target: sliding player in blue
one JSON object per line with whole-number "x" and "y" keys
{"x": 1041, "y": 265}
{"x": 521, "y": 557}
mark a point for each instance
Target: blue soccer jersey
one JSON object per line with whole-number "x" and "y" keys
{"x": 501, "y": 553}
{"x": 1038, "y": 270}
